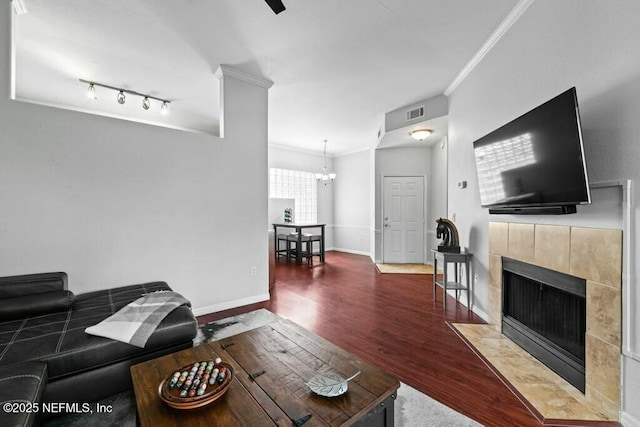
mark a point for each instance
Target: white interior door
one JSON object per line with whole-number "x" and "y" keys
{"x": 403, "y": 219}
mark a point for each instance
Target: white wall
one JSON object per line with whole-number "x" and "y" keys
{"x": 113, "y": 202}
{"x": 437, "y": 207}
{"x": 352, "y": 203}
{"x": 283, "y": 158}
{"x": 398, "y": 162}
{"x": 589, "y": 44}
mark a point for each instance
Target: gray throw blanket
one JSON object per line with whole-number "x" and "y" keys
{"x": 135, "y": 322}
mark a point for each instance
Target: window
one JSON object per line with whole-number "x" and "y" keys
{"x": 298, "y": 185}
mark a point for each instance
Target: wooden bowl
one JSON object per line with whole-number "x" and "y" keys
{"x": 213, "y": 392}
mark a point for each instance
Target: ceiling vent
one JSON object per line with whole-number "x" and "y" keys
{"x": 416, "y": 113}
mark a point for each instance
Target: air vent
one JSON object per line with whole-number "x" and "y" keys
{"x": 416, "y": 113}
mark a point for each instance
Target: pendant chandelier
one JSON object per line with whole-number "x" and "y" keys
{"x": 325, "y": 176}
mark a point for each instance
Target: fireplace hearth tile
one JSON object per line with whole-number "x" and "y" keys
{"x": 499, "y": 238}
{"x": 524, "y": 371}
{"x": 553, "y": 247}
{"x": 603, "y": 368}
{"x": 472, "y": 331}
{"x": 495, "y": 307}
{"x": 604, "y": 308}
{"x": 611, "y": 408}
{"x": 521, "y": 242}
{"x": 497, "y": 347}
{"x": 596, "y": 255}
{"x": 551, "y": 396}
{"x": 554, "y": 405}
{"x": 495, "y": 271}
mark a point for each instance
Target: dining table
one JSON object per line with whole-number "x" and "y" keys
{"x": 298, "y": 230}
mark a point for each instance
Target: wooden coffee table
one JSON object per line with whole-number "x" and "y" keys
{"x": 281, "y": 356}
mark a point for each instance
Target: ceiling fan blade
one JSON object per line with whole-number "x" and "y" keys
{"x": 276, "y": 5}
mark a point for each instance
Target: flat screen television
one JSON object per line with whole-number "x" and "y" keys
{"x": 535, "y": 164}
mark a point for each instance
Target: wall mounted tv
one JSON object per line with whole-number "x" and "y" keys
{"x": 535, "y": 163}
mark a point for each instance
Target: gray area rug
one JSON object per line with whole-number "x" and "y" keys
{"x": 416, "y": 409}
{"x": 412, "y": 408}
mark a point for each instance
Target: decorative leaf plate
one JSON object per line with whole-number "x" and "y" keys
{"x": 329, "y": 384}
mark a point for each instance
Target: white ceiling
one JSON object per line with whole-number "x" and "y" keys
{"x": 338, "y": 65}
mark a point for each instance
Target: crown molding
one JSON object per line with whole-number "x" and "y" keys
{"x": 317, "y": 153}
{"x": 355, "y": 151}
{"x": 297, "y": 149}
{"x": 227, "y": 70}
{"x": 502, "y": 29}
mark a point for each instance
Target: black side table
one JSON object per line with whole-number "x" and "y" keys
{"x": 458, "y": 260}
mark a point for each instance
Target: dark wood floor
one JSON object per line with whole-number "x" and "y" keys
{"x": 392, "y": 321}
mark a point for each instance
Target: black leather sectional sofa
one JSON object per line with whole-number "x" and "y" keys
{"x": 43, "y": 323}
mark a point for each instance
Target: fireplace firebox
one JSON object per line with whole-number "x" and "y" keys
{"x": 544, "y": 312}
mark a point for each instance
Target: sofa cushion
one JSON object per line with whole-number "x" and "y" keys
{"x": 36, "y": 304}
{"x": 59, "y": 338}
{"x": 29, "y": 284}
{"x": 21, "y": 385}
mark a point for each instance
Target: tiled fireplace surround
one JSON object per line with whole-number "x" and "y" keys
{"x": 591, "y": 254}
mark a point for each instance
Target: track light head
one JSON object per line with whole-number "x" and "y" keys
{"x": 91, "y": 91}
{"x": 164, "y": 109}
{"x": 121, "y": 98}
{"x": 146, "y": 103}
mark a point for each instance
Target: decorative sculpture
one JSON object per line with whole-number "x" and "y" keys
{"x": 287, "y": 215}
{"x": 449, "y": 234}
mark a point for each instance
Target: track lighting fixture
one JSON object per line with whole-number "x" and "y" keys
{"x": 121, "y": 97}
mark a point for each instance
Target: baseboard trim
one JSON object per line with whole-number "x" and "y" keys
{"x": 214, "y": 308}
{"x": 628, "y": 420}
{"x": 350, "y": 251}
{"x": 478, "y": 311}
{"x": 481, "y": 313}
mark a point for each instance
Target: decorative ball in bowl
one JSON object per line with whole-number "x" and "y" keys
{"x": 197, "y": 384}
